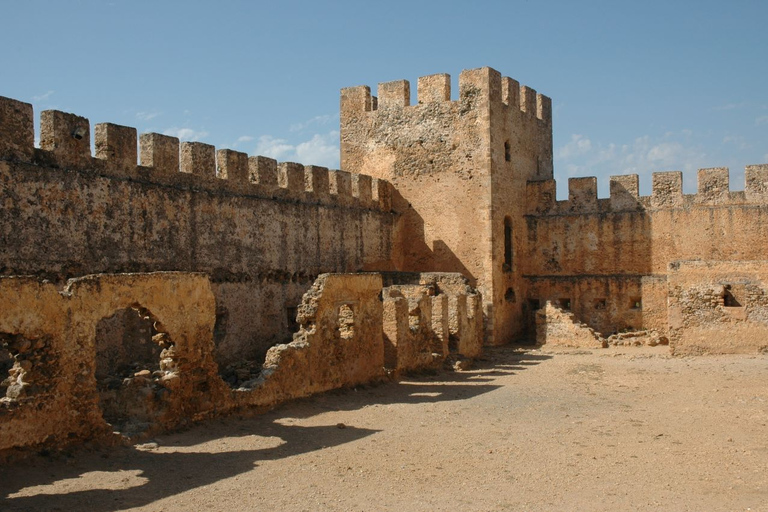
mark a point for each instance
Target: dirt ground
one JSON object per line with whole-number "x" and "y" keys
{"x": 611, "y": 429}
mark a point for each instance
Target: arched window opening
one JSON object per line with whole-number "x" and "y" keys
{"x": 507, "y": 267}
{"x": 136, "y": 364}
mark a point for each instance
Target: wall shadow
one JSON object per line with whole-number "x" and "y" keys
{"x": 413, "y": 250}
{"x": 167, "y": 472}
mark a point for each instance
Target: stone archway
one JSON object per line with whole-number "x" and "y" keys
{"x": 135, "y": 361}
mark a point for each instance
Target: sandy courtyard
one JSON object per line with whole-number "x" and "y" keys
{"x": 612, "y": 429}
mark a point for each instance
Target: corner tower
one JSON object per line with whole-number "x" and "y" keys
{"x": 459, "y": 168}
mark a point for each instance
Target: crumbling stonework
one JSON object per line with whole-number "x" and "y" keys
{"x": 610, "y": 257}
{"x": 558, "y": 327}
{"x": 52, "y": 337}
{"x": 339, "y": 342}
{"x": 718, "y": 307}
{"x": 118, "y": 357}
{"x": 429, "y": 318}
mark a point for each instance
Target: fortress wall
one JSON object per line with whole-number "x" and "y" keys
{"x": 262, "y": 230}
{"x": 620, "y": 248}
{"x": 718, "y": 307}
{"x": 459, "y": 168}
{"x": 606, "y": 303}
{"x": 521, "y": 150}
{"x": 436, "y": 154}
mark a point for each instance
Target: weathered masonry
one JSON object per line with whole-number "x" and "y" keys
{"x": 615, "y": 263}
{"x": 157, "y": 281}
{"x": 473, "y": 188}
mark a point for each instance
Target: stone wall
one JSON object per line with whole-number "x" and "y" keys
{"x": 263, "y": 231}
{"x": 556, "y": 326}
{"x": 52, "y": 396}
{"x": 459, "y": 168}
{"x": 430, "y": 318}
{"x": 608, "y": 258}
{"x": 718, "y": 307}
{"x": 118, "y": 357}
{"x": 339, "y": 342}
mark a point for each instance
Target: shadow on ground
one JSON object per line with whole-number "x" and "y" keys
{"x": 162, "y": 472}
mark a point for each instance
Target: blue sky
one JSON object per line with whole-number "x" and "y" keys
{"x": 637, "y": 87}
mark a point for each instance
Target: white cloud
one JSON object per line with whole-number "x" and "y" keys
{"x": 664, "y": 152}
{"x": 43, "y": 97}
{"x": 273, "y": 147}
{"x": 241, "y": 140}
{"x": 578, "y": 145}
{"x": 317, "y": 120}
{"x": 146, "y": 116}
{"x": 761, "y": 120}
{"x": 582, "y": 157}
{"x": 321, "y": 149}
{"x": 186, "y": 134}
{"x": 736, "y": 140}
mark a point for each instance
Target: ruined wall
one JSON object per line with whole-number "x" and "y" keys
{"x": 52, "y": 397}
{"x": 556, "y": 326}
{"x": 459, "y": 168}
{"x": 339, "y": 342}
{"x": 718, "y": 307}
{"x": 71, "y": 371}
{"x": 262, "y": 230}
{"x": 608, "y": 258}
{"x": 430, "y": 318}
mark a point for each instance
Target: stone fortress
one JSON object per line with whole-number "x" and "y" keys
{"x": 138, "y": 298}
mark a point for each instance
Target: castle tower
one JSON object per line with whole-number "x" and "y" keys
{"x": 459, "y": 169}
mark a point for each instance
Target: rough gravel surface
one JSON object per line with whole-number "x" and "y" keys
{"x": 607, "y": 429}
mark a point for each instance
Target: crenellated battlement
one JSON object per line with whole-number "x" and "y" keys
{"x": 65, "y": 142}
{"x": 667, "y": 193}
{"x": 476, "y": 87}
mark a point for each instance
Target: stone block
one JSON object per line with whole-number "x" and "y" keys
{"x": 263, "y": 171}
{"x": 434, "y": 88}
{"x": 17, "y": 130}
{"x": 160, "y": 152}
{"x": 232, "y": 165}
{"x": 116, "y": 144}
{"x": 67, "y": 136}
{"x": 198, "y": 158}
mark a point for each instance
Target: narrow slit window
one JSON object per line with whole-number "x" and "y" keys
{"x": 346, "y": 322}
{"x": 507, "y": 152}
{"x": 507, "y": 267}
